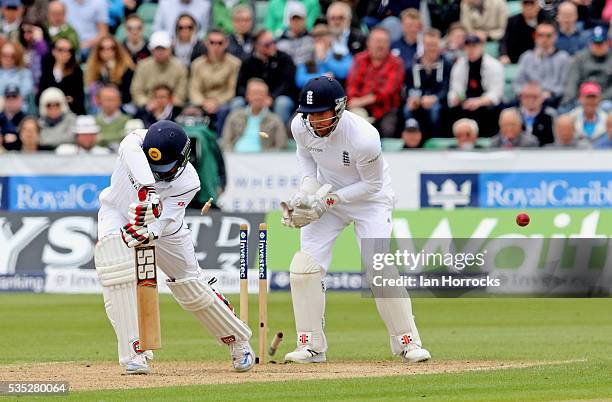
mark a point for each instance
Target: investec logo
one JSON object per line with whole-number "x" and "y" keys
{"x": 553, "y": 193}
{"x": 82, "y": 196}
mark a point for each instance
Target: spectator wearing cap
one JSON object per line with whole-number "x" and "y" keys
{"x": 85, "y": 132}
{"x": 410, "y": 45}
{"x": 13, "y": 70}
{"x": 511, "y": 134}
{"x": 605, "y": 141}
{"x": 375, "y": 81}
{"x": 57, "y": 25}
{"x": 565, "y": 135}
{"x": 592, "y": 64}
{"x": 213, "y": 78}
{"x": 589, "y": 117}
{"x": 12, "y": 13}
{"x": 160, "y": 107}
{"x": 454, "y": 42}
{"x": 90, "y": 19}
{"x": 544, "y": 64}
{"x": 168, "y": 12}
{"x": 465, "y": 132}
{"x": 537, "y": 119}
{"x": 110, "y": 118}
{"x": 187, "y": 46}
{"x": 476, "y": 86}
{"x": 345, "y": 38}
{"x": 11, "y": 116}
{"x": 295, "y": 40}
{"x": 160, "y": 68}
{"x": 241, "y": 132}
{"x": 56, "y": 119}
{"x": 570, "y": 36}
{"x": 276, "y": 69}
{"x": 61, "y": 70}
{"x": 241, "y": 38}
{"x": 323, "y": 61}
{"x": 135, "y": 42}
{"x": 412, "y": 135}
{"x": 427, "y": 82}
{"x": 520, "y": 32}
{"x": 489, "y": 16}
{"x": 277, "y": 17}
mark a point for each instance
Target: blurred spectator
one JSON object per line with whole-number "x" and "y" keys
{"x": 131, "y": 6}
{"x": 213, "y": 77}
{"x": 168, "y": 12}
{"x": 570, "y": 37}
{"x": 276, "y": 69}
{"x": 160, "y": 106}
{"x": 222, "y": 13}
{"x": 110, "y": 119}
{"x": 12, "y": 12}
{"x": 454, "y": 43}
{"x": 537, "y": 119}
{"x": 589, "y": 117}
{"x": 565, "y": 134}
{"x": 241, "y": 132}
{"x": 605, "y": 141}
{"x": 57, "y": 25}
{"x": 11, "y": 116}
{"x": 592, "y": 64}
{"x": 410, "y": 45}
{"x": 187, "y": 46}
{"x": 61, "y": 70}
{"x": 35, "y": 11}
{"x": 85, "y": 132}
{"x": 520, "y": 32}
{"x": 375, "y": 81}
{"x": 135, "y": 42}
{"x": 427, "y": 83}
{"x": 56, "y": 119}
{"x": 511, "y": 134}
{"x": 29, "y": 136}
{"x": 160, "y": 68}
{"x": 443, "y": 13}
{"x": 35, "y": 43}
{"x": 90, "y": 21}
{"x": 411, "y": 135}
{"x": 544, "y": 64}
{"x": 115, "y": 14}
{"x": 476, "y": 86}
{"x": 323, "y": 61}
{"x": 465, "y": 132}
{"x": 241, "y": 40}
{"x": 13, "y": 69}
{"x": 345, "y": 39}
{"x": 295, "y": 40}
{"x": 489, "y": 16}
{"x": 277, "y": 18}
{"x": 109, "y": 63}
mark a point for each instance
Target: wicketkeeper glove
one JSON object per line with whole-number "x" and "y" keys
{"x": 134, "y": 235}
{"x": 312, "y": 207}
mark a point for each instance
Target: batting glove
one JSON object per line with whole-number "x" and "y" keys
{"x": 148, "y": 209}
{"x": 134, "y": 235}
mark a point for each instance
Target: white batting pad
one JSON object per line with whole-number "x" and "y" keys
{"x": 397, "y": 315}
{"x": 308, "y": 296}
{"x": 117, "y": 273}
{"x": 195, "y": 295}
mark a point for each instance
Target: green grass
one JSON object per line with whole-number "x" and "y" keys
{"x": 37, "y": 328}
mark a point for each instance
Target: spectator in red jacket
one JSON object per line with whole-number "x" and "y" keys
{"x": 375, "y": 81}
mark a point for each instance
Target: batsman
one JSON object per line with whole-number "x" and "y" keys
{"x": 345, "y": 179}
{"x": 150, "y": 187}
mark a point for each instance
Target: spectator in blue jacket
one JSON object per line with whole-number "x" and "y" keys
{"x": 408, "y": 47}
{"x": 13, "y": 69}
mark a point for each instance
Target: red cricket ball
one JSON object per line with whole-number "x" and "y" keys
{"x": 522, "y": 219}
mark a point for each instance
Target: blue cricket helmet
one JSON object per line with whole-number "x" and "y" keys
{"x": 318, "y": 95}
{"x": 167, "y": 148}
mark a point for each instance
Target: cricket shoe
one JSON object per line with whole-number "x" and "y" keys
{"x": 413, "y": 353}
{"x": 138, "y": 365}
{"x": 305, "y": 355}
{"x": 243, "y": 357}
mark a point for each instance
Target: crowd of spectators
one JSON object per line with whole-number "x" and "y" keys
{"x": 77, "y": 75}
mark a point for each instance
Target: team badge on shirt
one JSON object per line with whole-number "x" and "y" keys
{"x": 345, "y": 158}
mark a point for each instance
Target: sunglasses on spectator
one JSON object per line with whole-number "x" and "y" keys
{"x": 528, "y": 2}
{"x": 215, "y": 42}
{"x": 7, "y": 54}
{"x": 63, "y": 49}
{"x": 52, "y": 104}
{"x": 111, "y": 47}
{"x": 337, "y": 17}
{"x": 133, "y": 27}
{"x": 267, "y": 44}
{"x": 185, "y": 27}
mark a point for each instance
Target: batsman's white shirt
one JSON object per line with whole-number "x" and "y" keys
{"x": 175, "y": 251}
{"x": 351, "y": 160}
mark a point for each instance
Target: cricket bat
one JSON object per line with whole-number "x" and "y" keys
{"x": 147, "y": 298}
